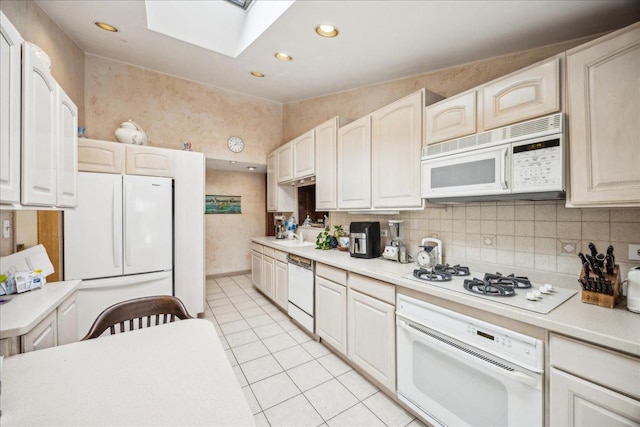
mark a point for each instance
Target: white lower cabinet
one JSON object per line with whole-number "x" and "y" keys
{"x": 591, "y": 385}
{"x": 281, "y": 280}
{"x": 331, "y": 313}
{"x": 67, "y": 318}
{"x": 268, "y": 269}
{"x": 43, "y": 335}
{"x": 371, "y": 337}
{"x": 256, "y": 268}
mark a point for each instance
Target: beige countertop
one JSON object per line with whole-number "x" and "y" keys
{"x": 617, "y": 328}
{"x": 172, "y": 374}
{"x": 25, "y": 310}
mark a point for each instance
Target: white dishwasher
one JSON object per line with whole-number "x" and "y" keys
{"x": 301, "y": 291}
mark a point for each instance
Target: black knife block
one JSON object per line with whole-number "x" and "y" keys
{"x": 602, "y": 299}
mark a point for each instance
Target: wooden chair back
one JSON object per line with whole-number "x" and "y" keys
{"x": 138, "y": 313}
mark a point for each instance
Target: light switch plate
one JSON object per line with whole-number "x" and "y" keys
{"x": 634, "y": 252}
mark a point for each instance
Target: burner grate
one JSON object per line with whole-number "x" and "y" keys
{"x": 519, "y": 282}
{"x": 484, "y": 287}
{"x": 432, "y": 275}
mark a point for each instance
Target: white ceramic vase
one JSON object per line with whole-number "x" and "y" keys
{"x": 130, "y": 132}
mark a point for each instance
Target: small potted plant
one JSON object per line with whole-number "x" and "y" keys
{"x": 328, "y": 240}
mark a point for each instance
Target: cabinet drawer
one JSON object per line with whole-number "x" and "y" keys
{"x": 256, "y": 247}
{"x": 280, "y": 256}
{"x": 375, "y": 288}
{"x": 332, "y": 273}
{"x": 100, "y": 156}
{"x": 267, "y": 251}
{"x": 605, "y": 367}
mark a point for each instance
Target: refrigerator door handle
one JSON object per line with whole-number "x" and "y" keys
{"x": 116, "y": 230}
{"x": 121, "y": 281}
{"x": 129, "y": 217}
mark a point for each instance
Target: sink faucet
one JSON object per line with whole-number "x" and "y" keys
{"x": 299, "y": 237}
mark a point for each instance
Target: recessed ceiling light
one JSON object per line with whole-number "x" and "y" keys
{"x": 257, "y": 74}
{"x": 283, "y": 56}
{"x": 326, "y": 30}
{"x": 233, "y": 162}
{"x": 251, "y": 168}
{"x": 106, "y": 27}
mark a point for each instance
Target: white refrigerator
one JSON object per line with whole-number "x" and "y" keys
{"x": 119, "y": 241}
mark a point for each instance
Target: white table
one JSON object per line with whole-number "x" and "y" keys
{"x": 173, "y": 374}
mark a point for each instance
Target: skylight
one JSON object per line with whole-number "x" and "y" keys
{"x": 244, "y": 4}
{"x": 219, "y": 26}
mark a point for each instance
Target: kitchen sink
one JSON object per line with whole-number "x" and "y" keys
{"x": 293, "y": 243}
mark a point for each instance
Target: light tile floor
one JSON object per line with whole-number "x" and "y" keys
{"x": 288, "y": 378}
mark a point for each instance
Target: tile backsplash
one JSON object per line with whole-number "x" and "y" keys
{"x": 543, "y": 236}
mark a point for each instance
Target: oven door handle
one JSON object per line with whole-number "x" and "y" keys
{"x": 518, "y": 376}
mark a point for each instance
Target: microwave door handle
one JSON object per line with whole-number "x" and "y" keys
{"x": 504, "y": 183}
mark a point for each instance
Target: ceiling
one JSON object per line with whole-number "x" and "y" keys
{"x": 378, "y": 41}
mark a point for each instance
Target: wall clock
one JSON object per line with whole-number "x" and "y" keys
{"x": 235, "y": 144}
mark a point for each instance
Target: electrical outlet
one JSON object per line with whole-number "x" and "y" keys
{"x": 634, "y": 252}
{"x": 384, "y": 233}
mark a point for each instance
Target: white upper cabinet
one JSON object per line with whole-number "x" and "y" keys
{"x": 354, "y": 165}
{"x": 451, "y": 118}
{"x": 528, "y": 93}
{"x": 67, "y": 179}
{"x": 39, "y": 132}
{"x": 10, "y": 107}
{"x": 280, "y": 198}
{"x": 285, "y": 162}
{"x": 100, "y": 156}
{"x": 396, "y": 142}
{"x": 603, "y": 77}
{"x": 148, "y": 161}
{"x": 304, "y": 152}
{"x": 326, "y": 165}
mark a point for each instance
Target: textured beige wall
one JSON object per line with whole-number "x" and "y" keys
{"x": 173, "y": 111}
{"x": 67, "y": 60}
{"x": 228, "y": 246}
{"x": 304, "y": 115}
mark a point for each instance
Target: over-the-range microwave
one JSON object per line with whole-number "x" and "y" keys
{"x": 522, "y": 161}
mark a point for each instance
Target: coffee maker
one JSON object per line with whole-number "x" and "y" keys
{"x": 281, "y": 231}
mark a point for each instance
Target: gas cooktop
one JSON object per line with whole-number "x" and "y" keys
{"x": 515, "y": 291}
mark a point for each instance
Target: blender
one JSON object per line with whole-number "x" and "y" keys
{"x": 395, "y": 250}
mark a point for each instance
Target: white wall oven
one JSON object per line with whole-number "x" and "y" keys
{"x": 459, "y": 371}
{"x": 525, "y": 160}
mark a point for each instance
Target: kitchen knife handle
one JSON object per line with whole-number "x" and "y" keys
{"x": 593, "y": 249}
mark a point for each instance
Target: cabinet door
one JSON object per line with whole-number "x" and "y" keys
{"x": 281, "y": 284}
{"x": 603, "y": 120}
{"x": 10, "y": 105}
{"x": 523, "y": 95}
{"x": 396, "y": 144}
{"x": 67, "y": 179}
{"x": 452, "y": 118}
{"x": 331, "y": 313}
{"x": 354, "y": 164}
{"x": 326, "y": 166}
{"x": 43, "y": 335}
{"x": 39, "y": 132}
{"x": 256, "y": 269}
{"x": 189, "y": 236}
{"x": 304, "y": 153}
{"x": 576, "y": 402}
{"x": 149, "y": 161}
{"x": 67, "y": 316}
{"x": 100, "y": 156}
{"x": 280, "y": 198}
{"x": 285, "y": 163}
{"x": 371, "y": 337}
{"x": 268, "y": 270}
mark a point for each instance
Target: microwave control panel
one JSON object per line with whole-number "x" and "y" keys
{"x": 538, "y": 164}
